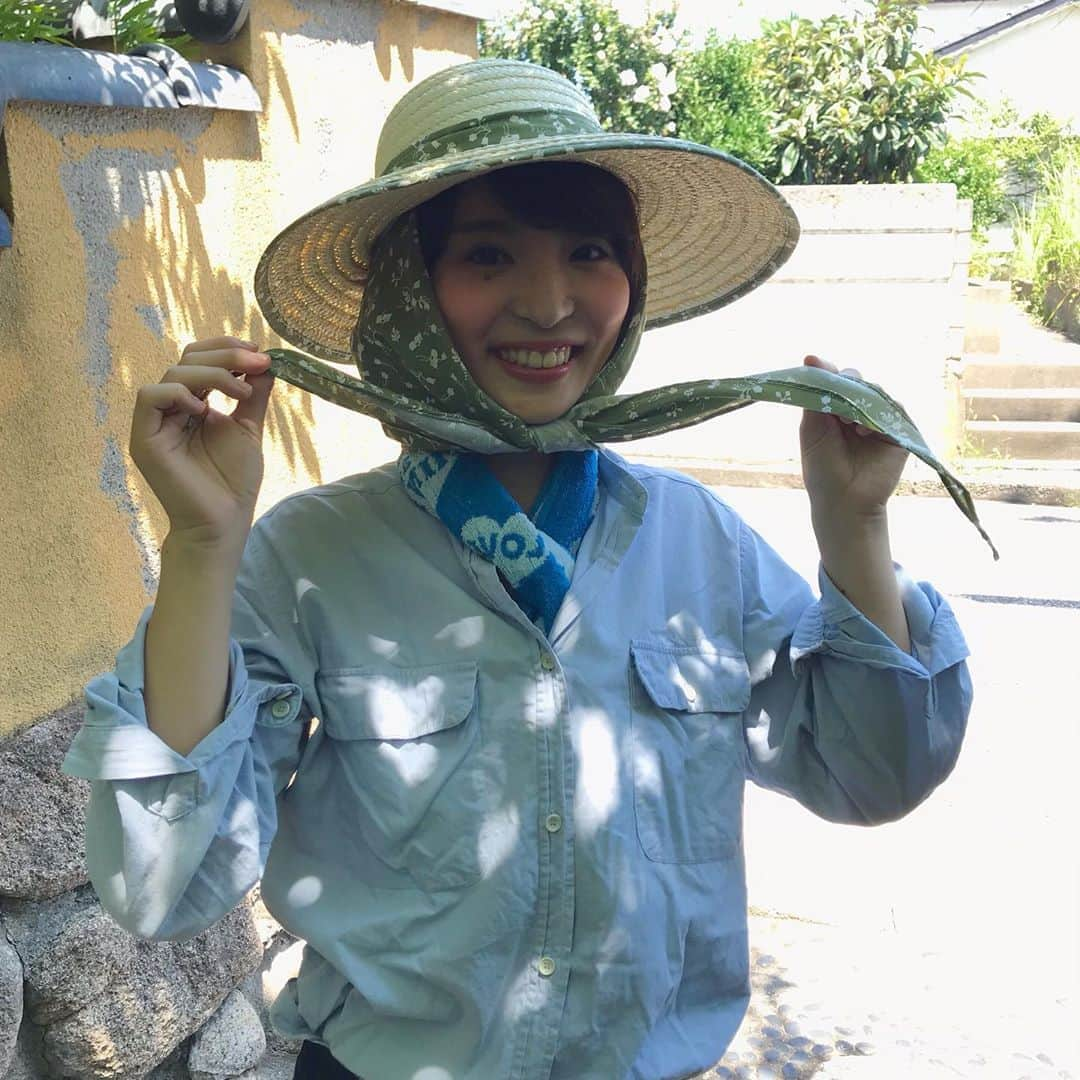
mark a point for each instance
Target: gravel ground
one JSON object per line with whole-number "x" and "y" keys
{"x": 840, "y": 1005}
{"x": 837, "y": 1004}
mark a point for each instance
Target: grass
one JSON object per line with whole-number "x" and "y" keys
{"x": 1047, "y": 237}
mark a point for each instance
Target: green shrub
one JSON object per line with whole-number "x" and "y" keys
{"x": 135, "y": 22}
{"x": 1047, "y": 237}
{"x": 721, "y": 100}
{"x": 1044, "y": 144}
{"x": 627, "y": 71}
{"x": 976, "y": 167}
{"x": 31, "y": 20}
{"x": 854, "y": 101}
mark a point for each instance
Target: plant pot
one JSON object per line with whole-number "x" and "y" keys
{"x": 1022, "y": 290}
{"x": 1061, "y": 310}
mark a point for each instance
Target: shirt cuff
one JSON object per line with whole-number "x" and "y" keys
{"x": 115, "y": 742}
{"x": 836, "y": 626}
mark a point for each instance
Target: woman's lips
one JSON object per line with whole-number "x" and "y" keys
{"x": 539, "y": 364}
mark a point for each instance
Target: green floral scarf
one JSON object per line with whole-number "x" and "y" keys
{"x": 415, "y": 383}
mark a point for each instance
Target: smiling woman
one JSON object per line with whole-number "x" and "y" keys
{"x": 528, "y": 840}
{"x": 534, "y": 283}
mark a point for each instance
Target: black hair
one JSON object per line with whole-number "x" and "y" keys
{"x": 571, "y": 195}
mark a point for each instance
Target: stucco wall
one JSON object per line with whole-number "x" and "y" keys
{"x": 1032, "y": 65}
{"x": 134, "y": 232}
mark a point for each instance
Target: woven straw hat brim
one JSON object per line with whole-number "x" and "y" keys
{"x": 712, "y": 229}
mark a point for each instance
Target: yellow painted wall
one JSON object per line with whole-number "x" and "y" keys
{"x": 135, "y": 231}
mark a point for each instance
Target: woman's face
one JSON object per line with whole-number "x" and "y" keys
{"x": 534, "y": 313}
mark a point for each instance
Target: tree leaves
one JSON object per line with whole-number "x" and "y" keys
{"x": 853, "y": 100}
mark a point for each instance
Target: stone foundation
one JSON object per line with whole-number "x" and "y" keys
{"x": 81, "y": 997}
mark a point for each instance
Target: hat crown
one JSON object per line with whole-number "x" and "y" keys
{"x": 469, "y": 93}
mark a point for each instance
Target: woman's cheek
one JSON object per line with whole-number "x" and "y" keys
{"x": 465, "y": 308}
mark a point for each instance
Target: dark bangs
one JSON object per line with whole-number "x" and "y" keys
{"x": 569, "y": 195}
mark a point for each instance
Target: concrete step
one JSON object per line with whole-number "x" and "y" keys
{"x": 1023, "y": 440}
{"x": 995, "y": 374}
{"x": 1062, "y": 406}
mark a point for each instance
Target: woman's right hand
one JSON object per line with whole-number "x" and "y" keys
{"x": 205, "y": 466}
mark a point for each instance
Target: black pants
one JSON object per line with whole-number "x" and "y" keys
{"x": 317, "y": 1063}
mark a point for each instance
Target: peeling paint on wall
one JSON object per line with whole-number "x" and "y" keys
{"x": 153, "y": 318}
{"x": 339, "y": 21}
{"x": 106, "y": 189}
{"x": 114, "y": 483}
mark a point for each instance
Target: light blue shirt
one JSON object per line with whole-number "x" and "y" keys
{"x": 511, "y": 856}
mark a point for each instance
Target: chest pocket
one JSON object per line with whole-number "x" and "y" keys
{"x": 686, "y": 705}
{"x": 407, "y": 749}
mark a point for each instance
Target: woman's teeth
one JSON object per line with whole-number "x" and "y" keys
{"x": 533, "y": 359}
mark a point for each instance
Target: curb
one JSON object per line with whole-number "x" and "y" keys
{"x": 1037, "y": 487}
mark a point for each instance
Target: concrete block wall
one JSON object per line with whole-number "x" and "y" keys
{"x": 876, "y": 283}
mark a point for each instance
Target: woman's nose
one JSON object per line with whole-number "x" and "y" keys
{"x": 545, "y": 295}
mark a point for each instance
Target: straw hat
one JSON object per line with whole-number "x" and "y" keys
{"x": 712, "y": 228}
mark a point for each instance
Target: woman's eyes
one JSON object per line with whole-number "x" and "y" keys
{"x": 490, "y": 255}
{"x": 591, "y": 252}
{"x": 487, "y": 255}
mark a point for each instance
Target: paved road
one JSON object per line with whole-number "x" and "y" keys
{"x": 945, "y": 944}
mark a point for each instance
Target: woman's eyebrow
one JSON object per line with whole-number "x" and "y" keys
{"x": 486, "y": 225}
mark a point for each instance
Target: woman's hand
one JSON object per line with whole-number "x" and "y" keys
{"x": 205, "y": 466}
{"x": 848, "y": 470}
{"x": 849, "y": 473}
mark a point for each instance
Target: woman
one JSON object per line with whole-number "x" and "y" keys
{"x": 513, "y": 841}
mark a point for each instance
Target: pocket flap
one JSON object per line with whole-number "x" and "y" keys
{"x": 396, "y": 703}
{"x": 691, "y": 678}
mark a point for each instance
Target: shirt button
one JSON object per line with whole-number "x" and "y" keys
{"x": 546, "y": 966}
{"x": 280, "y": 709}
{"x": 553, "y": 823}
{"x": 547, "y": 661}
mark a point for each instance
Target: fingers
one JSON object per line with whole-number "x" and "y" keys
{"x": 157, "y": 404}
{"x": 816, "y": 361}
{"x": 851, "y": 373}
{"x": 216, "y": 344}
{"x": 226, "y": 353}
{"x": 227, "y": 364}
{"x": 252, "y": 409}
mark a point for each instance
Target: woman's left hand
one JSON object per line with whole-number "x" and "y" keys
{"x": 847, "y": 468}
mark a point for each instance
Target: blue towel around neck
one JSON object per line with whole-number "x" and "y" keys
{"x": 535, "y": 553}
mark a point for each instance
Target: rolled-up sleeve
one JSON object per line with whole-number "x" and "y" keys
{"x": 174, "y": 841}
{"x": 840, "y": 718}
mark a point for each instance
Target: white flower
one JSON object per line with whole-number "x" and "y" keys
{"x": 641, "y": 94}
{"x": 667, "y": 86}
{"x": 628, "y": 77}
{"x": 670, "y": 127}
{"x": 601, "y": 55}
{"x": 666, "y": 45}
{"x": 665, "y": 103}
{"x": 658, "y": 71}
